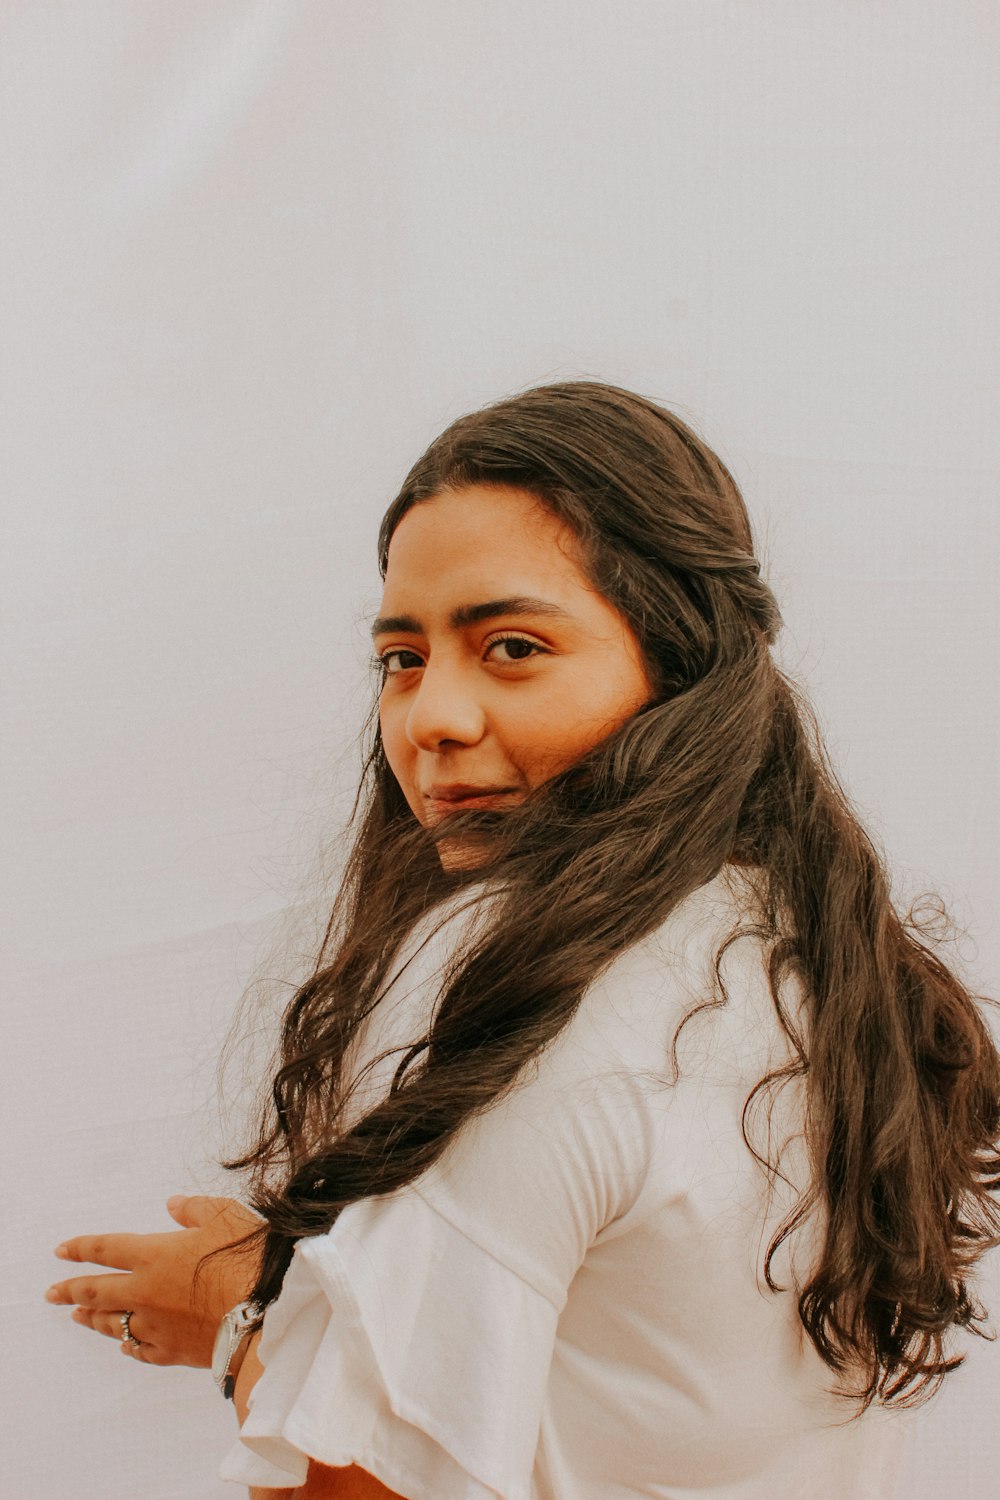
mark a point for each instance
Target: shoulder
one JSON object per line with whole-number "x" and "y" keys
{"x": 708, "y": 947}
{"x": 708, "y": 950}
{"x": 569, "y": 1149}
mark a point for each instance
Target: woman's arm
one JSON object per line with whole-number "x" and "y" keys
{"x": 322, "y": 1483}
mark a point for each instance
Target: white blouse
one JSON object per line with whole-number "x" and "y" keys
{"x": 570, "y": 1304}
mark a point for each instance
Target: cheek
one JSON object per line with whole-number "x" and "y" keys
{"x": 565, "y": 725}
{"x": 550, "y": 751}
{"x": 395, "y": 744}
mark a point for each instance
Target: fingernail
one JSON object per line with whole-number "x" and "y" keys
{"x": 175, "y": 1201}
{"x": 78, "y": 1315}
{"x": 62, "y": 1252}
{"x": 52, "y": 1295}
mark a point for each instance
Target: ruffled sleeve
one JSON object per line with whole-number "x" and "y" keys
{"x": 400, "y": 1345}
{"x": 416, "y": 1338}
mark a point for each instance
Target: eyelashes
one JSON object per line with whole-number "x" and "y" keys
{"x": 533, "y": 649}
{"x": 382, "y": 662}
{"x": 518, "y": 647}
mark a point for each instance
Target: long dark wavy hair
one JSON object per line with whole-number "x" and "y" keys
{"x": 902, "y": 1079}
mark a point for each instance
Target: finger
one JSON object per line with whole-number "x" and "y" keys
{"x": 121, "y": 1250}
{"x": 194, "y": 1210}
{"x": 107, "y": 1323}
{"x": 190, "y": 1210}
{"x": 110, "y": 1325}
{"x": 143, "y": 1354}
{"x": 97, "y": 1293}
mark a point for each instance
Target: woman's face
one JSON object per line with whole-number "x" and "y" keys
{"x": 503, "y": 664}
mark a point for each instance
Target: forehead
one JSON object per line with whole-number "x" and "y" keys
{"x": 488, "y": 538}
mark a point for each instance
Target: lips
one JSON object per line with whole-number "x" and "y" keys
{"x": 441, "y": 800}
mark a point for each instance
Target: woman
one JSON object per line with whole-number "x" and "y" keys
{"x": 625, "y": 1140}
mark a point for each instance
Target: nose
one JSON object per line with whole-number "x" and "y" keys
{"x": 445, "y": 711}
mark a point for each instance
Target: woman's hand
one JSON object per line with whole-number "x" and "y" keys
{"x": 172, "y": 1312}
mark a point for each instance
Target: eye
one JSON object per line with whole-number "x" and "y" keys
{"x": 398, "y": 660}
{"x": 510, "y": 648}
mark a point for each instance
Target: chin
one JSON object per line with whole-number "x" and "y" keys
{"x": 455, "y": 855}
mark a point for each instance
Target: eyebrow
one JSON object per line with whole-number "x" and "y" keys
{"x": 474, "y": 614}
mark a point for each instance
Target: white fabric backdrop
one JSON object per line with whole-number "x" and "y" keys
{"x": 256, "y": 256}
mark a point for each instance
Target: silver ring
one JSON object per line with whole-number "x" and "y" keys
{"x": 128, "y": 1337}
